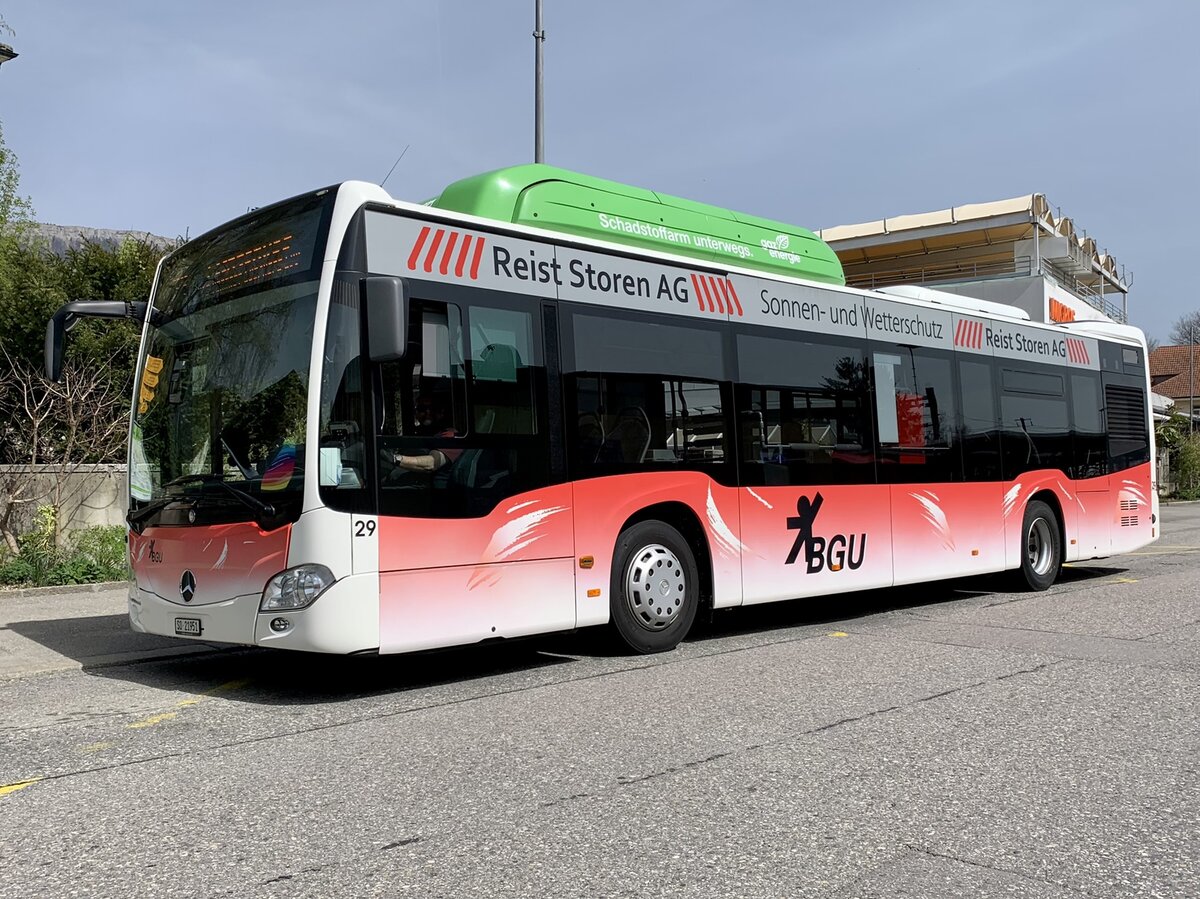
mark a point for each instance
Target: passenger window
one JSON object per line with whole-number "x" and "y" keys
{"x": 629, "y": 420}
{"x": 980, "y": 423}
{"x": 502, "y": 352}
{"x": 1090, "y": 452}
{"x": 915, "y": 415}
{"x": 1035, "y": 418}
{"x": 804, "y": 420}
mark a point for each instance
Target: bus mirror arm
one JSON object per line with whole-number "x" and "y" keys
{"x": 386, "y": 299}
{"x": 69, "y": 314}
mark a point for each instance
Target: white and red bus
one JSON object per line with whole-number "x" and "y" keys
{"x": 545, "y": 402}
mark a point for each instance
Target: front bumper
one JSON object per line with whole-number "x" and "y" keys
{"x": 344, "y": 619}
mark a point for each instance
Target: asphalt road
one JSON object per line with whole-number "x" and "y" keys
{"x": 904, "y": 743}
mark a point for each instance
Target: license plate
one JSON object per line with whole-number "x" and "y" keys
{"x": 189, "y": 627}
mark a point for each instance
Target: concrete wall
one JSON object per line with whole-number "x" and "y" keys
{"x": 91, "y": 494}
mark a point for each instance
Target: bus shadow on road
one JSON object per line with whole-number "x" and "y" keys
{"x": 855, "y": 606}
{"x": 104, "y": 646}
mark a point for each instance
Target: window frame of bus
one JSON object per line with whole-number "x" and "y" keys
{"x": 677, "y": 362}
{"x": 785, "y": 375}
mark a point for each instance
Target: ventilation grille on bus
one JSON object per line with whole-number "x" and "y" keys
{"x": 1129, "y": 505}
{"x": 1126, "y": 413}
{"x": 1129, "y": 521}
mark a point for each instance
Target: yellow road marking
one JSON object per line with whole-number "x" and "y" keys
{"x": 838, "y": 634}
{"x": 19, "y": 785}
{"x": 97, "y": 747}
{"x": 190, "y": 701}
{"x": 153, "y": 720}
{"x": 227, "y": 686}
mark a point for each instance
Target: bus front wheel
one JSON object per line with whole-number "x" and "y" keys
{"x": 655, "y": 587}
{"x": 1041, "y": 547}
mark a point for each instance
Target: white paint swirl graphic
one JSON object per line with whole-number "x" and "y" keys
{"x": 510, "y": 538}
{"x": 935, "y": 516}
{"x": 724, "y": 537}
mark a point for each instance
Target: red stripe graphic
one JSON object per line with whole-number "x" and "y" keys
{"x": 416, "y": 250}
{"x": 476, "y": 258}
{"x": 445, "y": 266}
{"x": 958, "y": 331}
{"x": 1087, "y": 357}
{"x": 710, "y": 284}
{"x": 433, "y": 248}
{"x": 1073, "y": 350}
{"x": 733, "y": 295}
{"x": 699, "y": 293}
{"x": 462, "y": 255}
{"x": 978, "y": 335}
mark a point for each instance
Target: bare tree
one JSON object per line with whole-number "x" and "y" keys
{"x": 1186, "y": 330}
{"x": 49, "y": 431}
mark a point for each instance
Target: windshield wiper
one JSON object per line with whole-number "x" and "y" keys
{"x": 264, "y": 510}
{"x": 135, "y": 518}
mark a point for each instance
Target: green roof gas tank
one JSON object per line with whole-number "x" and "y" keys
{"x": 543, "y": 196}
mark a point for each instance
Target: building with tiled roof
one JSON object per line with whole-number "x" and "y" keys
{"x": 1175, "y": 373}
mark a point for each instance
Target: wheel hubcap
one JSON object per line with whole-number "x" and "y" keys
{"x": 655, "y": 587}
{"x": 1039, "y": 546}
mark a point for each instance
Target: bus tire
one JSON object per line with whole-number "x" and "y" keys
{"x": 1041, "y": 547}
{"x": 655, "y": 588}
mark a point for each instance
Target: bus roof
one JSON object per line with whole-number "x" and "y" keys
{"x": 555, "y": 199}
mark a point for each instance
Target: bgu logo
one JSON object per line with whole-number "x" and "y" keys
{"x": 155, "y": 557}
{"x": 820, "y": 554}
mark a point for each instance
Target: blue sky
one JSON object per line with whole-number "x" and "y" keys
{"x": 173, "y": 117}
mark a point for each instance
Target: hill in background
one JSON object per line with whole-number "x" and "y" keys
{"x": 62, "y": 238}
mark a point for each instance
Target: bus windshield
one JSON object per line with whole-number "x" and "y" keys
{"x": 223, "y": 379}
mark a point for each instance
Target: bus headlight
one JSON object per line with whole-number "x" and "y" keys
{"x": 296, "y": 588}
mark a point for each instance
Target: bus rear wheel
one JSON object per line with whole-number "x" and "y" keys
{"x": 655, "y": 588}
{"x": 1041, "y": 547}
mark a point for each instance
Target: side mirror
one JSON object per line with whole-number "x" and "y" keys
{"x": 386, "y": 299}
{"x": 68, "y": 316}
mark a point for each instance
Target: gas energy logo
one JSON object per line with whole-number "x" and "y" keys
{"x": 835, "y": 554}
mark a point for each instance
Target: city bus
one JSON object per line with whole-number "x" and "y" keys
{"x": 542, "y": 402}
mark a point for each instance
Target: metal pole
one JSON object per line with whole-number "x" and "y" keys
{"x": 1192, "y": 387}
{"x": 539, "y": 38}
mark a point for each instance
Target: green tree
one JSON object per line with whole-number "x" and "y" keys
{"x": 16, "y": 212}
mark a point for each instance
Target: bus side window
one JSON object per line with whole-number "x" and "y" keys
{"x": 980, "y": 421}
{"x": 1089, "y": 450}
{"x": 805, "y": 420}
{"x": 916, "y": 416}
{"x": 1036, "y": 420}
{"x": 503, "y": 358}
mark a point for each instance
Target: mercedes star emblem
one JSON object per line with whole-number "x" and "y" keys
{"x": 187, "y": 586}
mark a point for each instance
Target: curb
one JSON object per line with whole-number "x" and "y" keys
{"x": 23, "y": 592}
